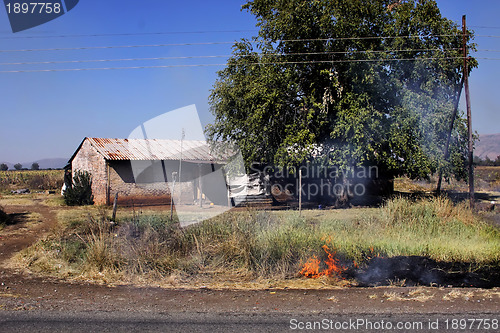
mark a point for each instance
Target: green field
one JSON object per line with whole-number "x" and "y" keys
{"x": 34, "y": 180}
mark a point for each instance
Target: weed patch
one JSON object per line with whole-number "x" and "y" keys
{"x": 249, "y": 246}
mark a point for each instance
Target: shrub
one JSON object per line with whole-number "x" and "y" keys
{"x": 80, "y": 192}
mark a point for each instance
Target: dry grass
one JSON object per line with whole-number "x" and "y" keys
{"x": 457, "y": 293}
{"x": 19, "y": 200}
{"x": 333, "y": 299}
{"x": 53, "y": 201}
{"x": 255, "y": 249}
{"x": 31, "y": 199}
{"x": 418, "y": 295}
{"x": 4, "y": 294}
{"x": 491, "y": 294}
{"x": 487, "y": 178}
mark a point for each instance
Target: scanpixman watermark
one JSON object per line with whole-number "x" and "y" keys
{"x": 26, "y": 14}
{"x": 385, "y": 325}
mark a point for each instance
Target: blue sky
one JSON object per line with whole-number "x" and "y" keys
{"x": 47, "y": 114}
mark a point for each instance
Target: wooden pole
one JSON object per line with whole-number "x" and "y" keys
{"x": 300, "y": 191}
{"x": 200, "y": 184}
{"x": 469, "y": 116}
{"x": 108, "y": 185}
{"x": 115, "y": 206}
{"x": 172, "y": 197}
{"x": 180, "y": 169}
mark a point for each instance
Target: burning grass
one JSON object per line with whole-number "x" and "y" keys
{"x": 262, "y": 248}
{"x": 333, "y": 268}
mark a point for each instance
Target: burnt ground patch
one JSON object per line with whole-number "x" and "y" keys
{"x": 419, "y": 270}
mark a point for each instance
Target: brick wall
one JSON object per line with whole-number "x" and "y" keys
{"x": 122, "y": 181}
{"x": 88, "y": 159}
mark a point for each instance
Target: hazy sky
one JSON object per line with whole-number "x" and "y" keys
{"x": 47, "y": 114}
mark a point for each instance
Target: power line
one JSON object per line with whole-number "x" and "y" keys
{"x": 220, "y": 43}
{"x": 160, "y": 33}
{"x": 115, "y": 47}
{"x": 482, "y": 27}
{"x": 222, "y": 56}
{"x": 484, "y": 50}
{"x": 247, "y": 64}
{"x": 131, "y": 34}
{"x": 487, "y": 36}
{"x": 110, "y": 60}
{"x": 189, "y": 33}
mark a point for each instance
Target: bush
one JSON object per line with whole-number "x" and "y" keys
{"x": 80, "y": 192}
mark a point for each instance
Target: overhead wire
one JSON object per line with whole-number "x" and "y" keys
{"x": 225, "y": 56}
{"x": 224, "y": 42}
{"x": 224, "y": 64}
{"x": 116, "y": 47}
{"x": 130, "y": 34}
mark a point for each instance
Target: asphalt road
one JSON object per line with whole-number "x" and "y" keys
{"x": 87, "y": 322}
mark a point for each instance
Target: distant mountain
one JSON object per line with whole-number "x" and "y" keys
{"x": 46, "y": 163}
{"x": 50, "y": 163}
{"x": 488, "y": 145}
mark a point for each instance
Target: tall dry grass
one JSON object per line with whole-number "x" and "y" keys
{"x": 257, "y": 244}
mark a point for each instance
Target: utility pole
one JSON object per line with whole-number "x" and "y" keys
{"x": 300, "y": 191}
{"x": 469, "y": 122}
{"x": 174, "y": 174}
{"x": 183, "y": 134}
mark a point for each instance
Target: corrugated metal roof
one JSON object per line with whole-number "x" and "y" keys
{"x": 152, "y": 149}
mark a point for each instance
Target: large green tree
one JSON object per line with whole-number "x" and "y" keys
{"x": 371, "y": 82}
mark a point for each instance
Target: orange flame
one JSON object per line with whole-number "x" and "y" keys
{"x": 311, "y": 268}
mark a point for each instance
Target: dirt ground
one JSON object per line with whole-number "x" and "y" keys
{"x": 24, "y": 292}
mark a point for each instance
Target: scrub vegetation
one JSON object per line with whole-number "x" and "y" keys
{"x": 249, "y": 245}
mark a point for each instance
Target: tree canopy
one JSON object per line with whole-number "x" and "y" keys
{"x": 365, "y": 82}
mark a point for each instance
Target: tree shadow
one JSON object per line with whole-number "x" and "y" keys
{"x": 16, "y": 218}
{"x": 456, "y": 196}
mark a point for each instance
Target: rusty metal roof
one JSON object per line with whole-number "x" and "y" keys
{"x": 153, "y": 149}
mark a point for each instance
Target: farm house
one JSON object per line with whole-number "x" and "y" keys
{"x": 144, "y": 171}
